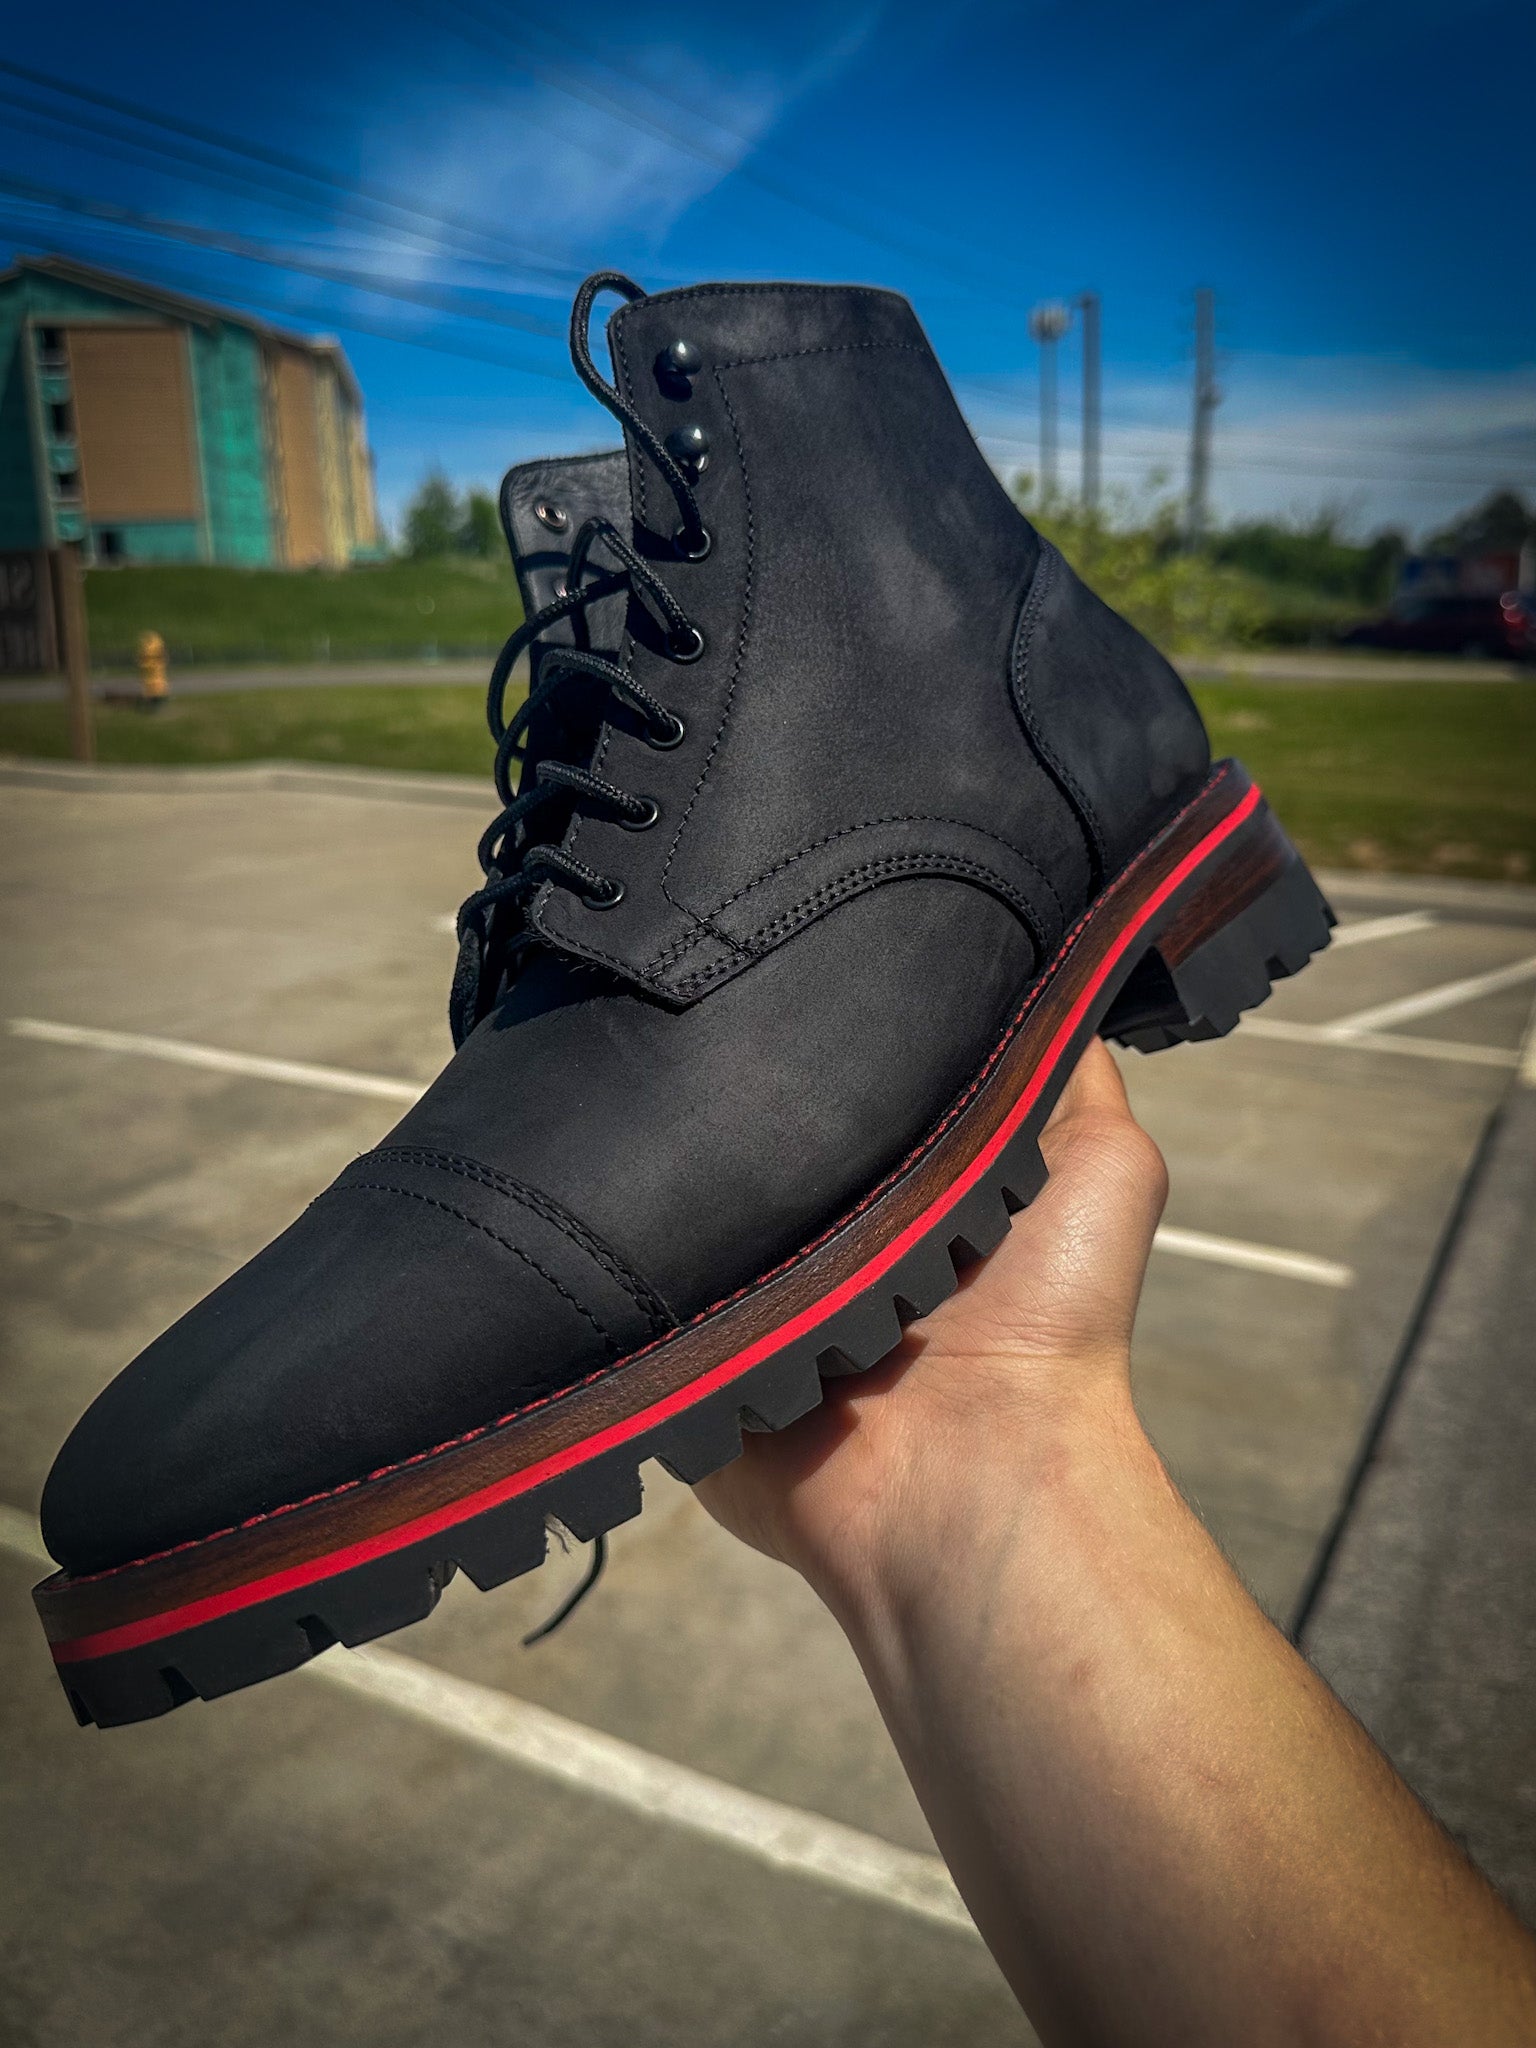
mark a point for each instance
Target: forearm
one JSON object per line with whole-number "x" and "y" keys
{"x": 1165, "y": 1825}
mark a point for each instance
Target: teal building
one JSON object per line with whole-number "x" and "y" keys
{"x": 143, "y": 426}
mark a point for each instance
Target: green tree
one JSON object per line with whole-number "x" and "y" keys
{"x": 433, "y": 519}
{"x": 1313, "y": 555}
{"x": 480, "y": 533}
{"x": 1503, "y": 520}
{"x": 1135, "y": 559}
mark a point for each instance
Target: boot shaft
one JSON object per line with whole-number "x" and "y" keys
{"x": 898, "y": 677}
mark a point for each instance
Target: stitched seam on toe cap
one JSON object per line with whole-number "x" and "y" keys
{"x": 645, "y": 1297}
{"x": 379, "y": 1187}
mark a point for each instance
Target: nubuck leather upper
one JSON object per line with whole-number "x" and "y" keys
{"x": 838, "y": 816}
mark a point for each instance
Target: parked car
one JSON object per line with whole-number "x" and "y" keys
{"x": 1499, "y": 628}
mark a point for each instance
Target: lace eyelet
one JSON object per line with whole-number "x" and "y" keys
{"x": 682, "y": 358}
{"x": 555, "y": 517}
{"x": 696, "y": 552}
{"x": 646, "y": 819}
{"x": 689, "y": 449}
{"x": 676, "y": 367}
{"x": 685, "y": 644}
{"x": 664, "y": 737}
{"x": 613, "y": 894}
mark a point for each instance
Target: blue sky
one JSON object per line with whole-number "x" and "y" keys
{"x": 1350, "y": 176}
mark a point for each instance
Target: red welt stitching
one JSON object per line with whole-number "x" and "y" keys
{"x": 955, "y": 1110}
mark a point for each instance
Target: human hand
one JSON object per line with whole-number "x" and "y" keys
{"x": 989, "y": 1392}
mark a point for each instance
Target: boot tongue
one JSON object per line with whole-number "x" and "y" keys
{"x": 543, "y": 507}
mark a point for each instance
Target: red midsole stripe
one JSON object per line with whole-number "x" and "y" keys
{"x": 293, "y": 1578}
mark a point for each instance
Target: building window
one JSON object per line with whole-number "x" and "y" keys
{"x": 61, "y": 421}
{"x": 109, "y": 544}
{"x": 67, "y": 484}
{"x": 51, "y": 352}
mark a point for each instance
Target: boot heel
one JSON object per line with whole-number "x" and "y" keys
{"x": 1211, "y": 964}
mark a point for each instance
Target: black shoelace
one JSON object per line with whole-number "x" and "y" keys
{"x": 490, "y": 925}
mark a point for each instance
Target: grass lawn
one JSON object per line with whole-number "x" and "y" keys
{"x": 386, "y": 609}
{"x": 1418, "y": 778}
{"x": 1415, "y": 778}
{"x": 438, "y": 727}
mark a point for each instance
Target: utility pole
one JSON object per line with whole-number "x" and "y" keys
{"x": 69, "y": 597}
{"x": 1047, "y": 324}
{"x": 1088, "y": 308}
{"x": 1207, "y": 398}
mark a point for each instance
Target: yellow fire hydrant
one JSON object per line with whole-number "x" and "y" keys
{"x": 154, "y": 683}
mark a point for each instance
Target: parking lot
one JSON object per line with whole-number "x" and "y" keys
{"x": 679, "y": 1820}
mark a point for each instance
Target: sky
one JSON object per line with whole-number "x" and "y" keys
{"x": 429, "y": 179}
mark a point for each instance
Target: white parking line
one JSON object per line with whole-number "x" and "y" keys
{"x": 299, "y": 1073}
{"x": 20, "y": 1534}
{"x": 784, "y": 1837}
{"x": 1450, "y": 1049}
{"x": 1397, "y": 926}
{"x": 1253, "y": 1258}
{"x": 1430, "y": 1002}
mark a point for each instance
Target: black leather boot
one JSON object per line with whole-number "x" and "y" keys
{"x": 847, "y": 816}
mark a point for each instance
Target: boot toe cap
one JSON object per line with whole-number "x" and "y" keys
{"x": 405, "y": 1308}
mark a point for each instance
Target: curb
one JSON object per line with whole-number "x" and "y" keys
{"x": 294, "y": 778}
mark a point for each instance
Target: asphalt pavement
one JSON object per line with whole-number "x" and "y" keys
{"x": 678, "y": 1821}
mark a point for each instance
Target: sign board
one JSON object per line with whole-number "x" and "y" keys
{"x": 29, "y": 639}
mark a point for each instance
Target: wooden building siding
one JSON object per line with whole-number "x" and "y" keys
{"x": 365, "y": 511}
{"x": 299, "y": 456}
{"x": 333, "y": 467}
{"x": 132, "y": 395}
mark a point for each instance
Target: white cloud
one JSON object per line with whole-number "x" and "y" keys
{"x": 569, "y": 175}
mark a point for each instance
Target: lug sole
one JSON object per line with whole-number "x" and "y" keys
{"x": 1190, "y": 935}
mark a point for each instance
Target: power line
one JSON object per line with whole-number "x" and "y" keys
{"x": 349, "y": 323}
{"x": 1231, "y": 440}
{"x": 1167, "y": 449}
{"x": 294, "y": 167}
{"x": 248, "y": 250}
{"x": 1118, "y": 460}
{"x": 188, "y": 166}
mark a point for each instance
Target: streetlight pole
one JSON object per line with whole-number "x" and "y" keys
{"x": 1207, "y": 397}
{"x": 1088, "y": 308}
{"x": 1047, "y": 324}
